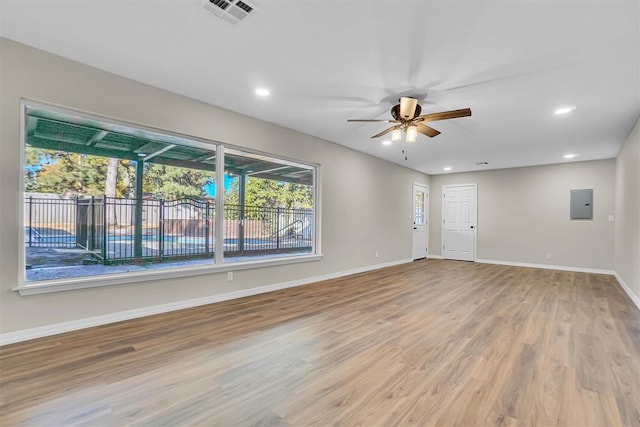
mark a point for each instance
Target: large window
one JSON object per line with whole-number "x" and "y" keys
{"x": 268, "y": 207}
{"x": 109, "y": 199}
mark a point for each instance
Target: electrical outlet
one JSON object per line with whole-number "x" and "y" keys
{"x": 548, "y": 256}
{"x": 230, "y": 276}
{"x": 377, "y": 254}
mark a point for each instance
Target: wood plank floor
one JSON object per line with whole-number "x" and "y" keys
{"x": 428, "y": 343}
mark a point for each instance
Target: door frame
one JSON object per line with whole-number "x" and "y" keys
{"x": 426, "y": 213}
{"x": 475, "y": 227}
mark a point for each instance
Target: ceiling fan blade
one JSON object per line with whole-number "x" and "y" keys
{"x": 408, "y": 107}
{"x": 464, "y": 112}
{"x": 384, "y": 132}
{"x": 372, "y": 120}
{"x": 426, "y": 130}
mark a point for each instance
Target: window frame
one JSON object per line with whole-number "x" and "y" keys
{"x": 217, "y": 265}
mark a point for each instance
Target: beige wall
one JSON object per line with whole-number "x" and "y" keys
{"x": 366, "y": 202}
{"x": 627, "y": 230}
{"x": 523, "y": 214}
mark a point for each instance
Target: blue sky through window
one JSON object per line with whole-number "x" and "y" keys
{"x": 210, "y": 188}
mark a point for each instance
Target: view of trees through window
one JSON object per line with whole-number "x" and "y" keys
{"x": 73, "y": 174}
{"x": 268, "y": 193}
{"x": 99, "y": 200}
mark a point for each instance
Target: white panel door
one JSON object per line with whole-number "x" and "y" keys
{"x": 420, "y": 221}
{"x": 459, "y": 222}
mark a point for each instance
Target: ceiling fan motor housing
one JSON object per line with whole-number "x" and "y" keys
{"x": 395, "y": 113}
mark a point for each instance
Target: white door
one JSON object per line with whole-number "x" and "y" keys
{"x": 420, "y": 221}
{"x": 459, "y": 222}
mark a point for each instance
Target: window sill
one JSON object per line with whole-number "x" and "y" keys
{"x": 144, "y": 276}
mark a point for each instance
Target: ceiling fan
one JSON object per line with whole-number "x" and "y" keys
{"x": 407, "y": 117}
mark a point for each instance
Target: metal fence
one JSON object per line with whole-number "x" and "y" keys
{"x": 170, "y": 229}
{"x": 266, "y": 229}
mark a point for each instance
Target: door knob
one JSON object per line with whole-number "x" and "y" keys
{"x": 472, "y": 226}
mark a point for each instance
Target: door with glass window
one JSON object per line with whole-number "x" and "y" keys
{"x": 420, "y": 221}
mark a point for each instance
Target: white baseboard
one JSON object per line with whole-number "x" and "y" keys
{"x": 74, "y": 325}
{"x": 434, "y": 256}
{"x": 634, "y": 298}
{"x": 548, "y": 267}
{"x": 628, "y": 290}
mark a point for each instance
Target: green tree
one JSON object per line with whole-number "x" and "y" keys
{"x": 266, "y": 193}
{"x": 170, "y": 182}
{"x": 65, "y": 173}
{"x": 62, "y": 173}
{"x": 34, "y": 158}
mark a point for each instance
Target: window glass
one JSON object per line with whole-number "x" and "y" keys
{"x": 102, "y": 198}
{"x": 269, "y": 207}
{"x": 419, "y": 204}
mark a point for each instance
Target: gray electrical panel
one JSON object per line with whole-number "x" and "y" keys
{"x": 581, "y": 204}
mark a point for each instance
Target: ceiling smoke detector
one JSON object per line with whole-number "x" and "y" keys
{"x": 232, "y": 11}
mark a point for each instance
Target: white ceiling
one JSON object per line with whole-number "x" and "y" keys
{"x": 325, "y": 61}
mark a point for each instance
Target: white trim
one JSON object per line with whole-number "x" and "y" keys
{"x": 547, "y": 266}
{"x": 624, "y": 286}
{"x": 219, "y": 205}
{"x": 84, "y": 282}
{"x": 58, "y": 328}
{"x": 428, "y": 217}
{"x": 433, "y": 256}
{"x": 317, "y": 206}
{"x": 22, "y": 261}
{"x": 634, "y": 298}
{"x": 413, "y": 212}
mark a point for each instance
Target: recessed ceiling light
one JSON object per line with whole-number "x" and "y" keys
{"x": 564, "y": 110}
{"x": 570, "y": 156}
{"x": 447, "y": 168}
{"x": 386, "y": 142}
{"x": 261, "y": 91}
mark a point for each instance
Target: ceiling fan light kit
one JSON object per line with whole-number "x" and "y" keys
{"x": 407, "y": 119}
{"x": 412, "y": 133}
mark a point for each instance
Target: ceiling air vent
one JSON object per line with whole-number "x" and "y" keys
{"x": 482, "y": 163}
{"x": 232, "y": 11}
